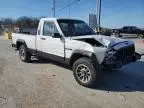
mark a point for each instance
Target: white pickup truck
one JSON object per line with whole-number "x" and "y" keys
{"x": 75, "y": 43}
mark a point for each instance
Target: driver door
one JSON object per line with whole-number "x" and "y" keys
{"x": 52, "y": 47}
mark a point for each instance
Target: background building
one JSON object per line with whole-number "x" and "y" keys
{"x": 93, "y": 21}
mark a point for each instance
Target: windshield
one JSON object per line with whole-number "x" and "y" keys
{"x": 72, "y": 28}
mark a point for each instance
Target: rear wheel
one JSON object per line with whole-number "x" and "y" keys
{"x": 24, "y": 54}
{"x": 86, "y": 72}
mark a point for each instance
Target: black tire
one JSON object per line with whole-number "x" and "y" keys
{"x": 94, "y": 69}
{"x": 24, "y": 54}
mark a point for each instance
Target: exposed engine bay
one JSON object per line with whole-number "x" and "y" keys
{"x": 92, "y": 42}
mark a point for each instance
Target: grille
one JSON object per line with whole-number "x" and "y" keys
{"x": 125, "y": 52}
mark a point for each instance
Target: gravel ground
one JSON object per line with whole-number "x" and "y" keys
{"x": 47, "y": 85}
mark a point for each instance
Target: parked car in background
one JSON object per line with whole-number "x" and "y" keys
{"x": 129, "y": 31}
{"x": 106, "y": 31}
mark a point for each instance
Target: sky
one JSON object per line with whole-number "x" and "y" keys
{"x": 115, "y": 13}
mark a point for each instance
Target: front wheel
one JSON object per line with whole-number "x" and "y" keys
{"x": 24, "y": 54}
{"x": 86, "y": 72}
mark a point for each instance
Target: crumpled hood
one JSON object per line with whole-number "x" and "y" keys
{"x": 106, "y": 40}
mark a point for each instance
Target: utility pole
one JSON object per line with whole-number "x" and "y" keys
{"x": 54, "y": 8}
{"x": 98, "y": 15}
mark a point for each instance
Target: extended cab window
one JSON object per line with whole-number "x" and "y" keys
{"x": 49, "y": 29}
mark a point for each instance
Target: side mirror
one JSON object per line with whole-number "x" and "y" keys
{"x": 56, "y": 35}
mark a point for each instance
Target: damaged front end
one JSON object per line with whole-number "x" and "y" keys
{"x": 120, "y": 54}
{"x": 111, "y": 52}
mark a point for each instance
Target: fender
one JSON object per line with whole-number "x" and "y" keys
{"x": 82, "y": 53}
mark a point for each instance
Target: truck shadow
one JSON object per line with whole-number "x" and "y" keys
{"x": 129, "y": 78}
{"x": 49, "y": 61}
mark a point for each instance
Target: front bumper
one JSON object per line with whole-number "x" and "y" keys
{"x": 113, "y": 62}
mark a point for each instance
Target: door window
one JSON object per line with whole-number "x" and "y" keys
{"x": 49, "y": 29}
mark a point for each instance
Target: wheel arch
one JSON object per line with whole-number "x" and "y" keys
{"x": 81, "y": 53}
{"x": 19, "y": 43}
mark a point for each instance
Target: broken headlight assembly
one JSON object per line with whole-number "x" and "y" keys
{"x": 110, "y": 52}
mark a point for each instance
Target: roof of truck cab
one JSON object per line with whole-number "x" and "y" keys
{"x": 48, "y": 18}
{"x": 53, "y": 19}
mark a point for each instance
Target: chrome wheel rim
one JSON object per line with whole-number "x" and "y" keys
{"x": 22, "y": 54}
{"x": 83, "y": 73}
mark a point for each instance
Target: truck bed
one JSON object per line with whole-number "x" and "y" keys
{"x": 29, "y": 39}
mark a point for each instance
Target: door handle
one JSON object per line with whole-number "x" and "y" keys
{"x": 43, "y": 38}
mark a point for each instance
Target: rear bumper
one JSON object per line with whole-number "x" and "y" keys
{"x": 111, "y": 63}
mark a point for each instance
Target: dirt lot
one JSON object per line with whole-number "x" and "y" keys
{"x": 46, "y": 85}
